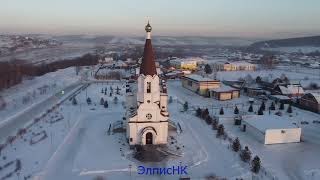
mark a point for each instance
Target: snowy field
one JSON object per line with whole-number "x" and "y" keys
{"x": 71, "y": 141}
{"x": 32, "y": 91}
{"x": 285, "y": 161}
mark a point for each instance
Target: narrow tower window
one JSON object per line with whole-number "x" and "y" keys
{"x": 148, "y": 87}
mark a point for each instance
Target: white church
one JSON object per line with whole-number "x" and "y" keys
{"x": 148, "y": 114}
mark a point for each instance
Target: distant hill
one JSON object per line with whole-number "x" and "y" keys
{"x": 311, "y": 41}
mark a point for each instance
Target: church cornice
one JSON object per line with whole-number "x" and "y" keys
{"x": 147, "y": 121}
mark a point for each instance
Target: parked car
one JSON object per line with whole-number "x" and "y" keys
{"x": 304, "y": 122}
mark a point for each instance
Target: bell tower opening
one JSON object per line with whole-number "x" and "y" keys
{"x": 149, "y": 138}
{"x": 148, "y": 87}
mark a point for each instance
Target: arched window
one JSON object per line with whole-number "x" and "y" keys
{"x": 148, "y": 87}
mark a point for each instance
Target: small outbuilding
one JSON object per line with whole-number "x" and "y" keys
{"x": 224, "y": 93}
{"x": 199, "y": 84}
{"x": 271, "y": 129}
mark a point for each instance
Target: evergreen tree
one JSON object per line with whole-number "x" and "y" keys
{"x": 258, "y": 79}
{"x": 74, "y": 101}
{"x": 236, "y": 110}
{"x": 198, "y": 112}
{"x": 289, "y": 110}
{"x": 209, "y": 120}
{"x": 115, "y": 100}
{"x": 185, "y": 106}
{"x": 220, "y": 131}
{"x": 101, "y": 101}
{"x": 118, "y": 90}
{"x": 214, "y": 124}
{"x": 170, "y": 99}
{"x": 250, "y": 108}
{"x": 110, "y": 94}
{"x": 281, "y": 106}
{"x": 236, "y": 145}
{"x": 263, "y": 106}
{"x": 207, "y": 69}
{"x": 260, "y": 111}
{"x": 221, "y": 111}
{"x": 105, "y": 92}
{"x": 245, "y": 155}
{"x": 205, "y": 113}
{"x": 105, "y": 104}
{"x": 256, "y": 164}
{"x": 89, "y": 101}
{"x": 272, "y": 106}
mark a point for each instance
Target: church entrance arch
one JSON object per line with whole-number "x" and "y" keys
{"x": 149, "y": 138}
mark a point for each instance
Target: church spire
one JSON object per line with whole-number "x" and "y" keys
{"x": 148, "y": 66}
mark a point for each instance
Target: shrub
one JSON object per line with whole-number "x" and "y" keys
{"x": 289, "y": 110}
{"x": 256, "y": 164}
{"x": 236, "y": 110}
{"x": 185, "y": 106}
{"x": 198, "y": 112}
{"x": 220, "y": 131}
{"x": 221, "y": 111}
{"x": 245, "y": 154}
{"x": 236, "y": 145}
{"x": 250, "y": 108}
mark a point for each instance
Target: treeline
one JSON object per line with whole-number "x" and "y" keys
{"x": 11, "y": 73}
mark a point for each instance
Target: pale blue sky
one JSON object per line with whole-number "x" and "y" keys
{"x": 246, "y": 18}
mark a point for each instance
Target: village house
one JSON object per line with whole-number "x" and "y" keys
{"x": 291, "y": 90}
{"x": 310, "y": 101}
{"x": 199, "y": 84}
{"x": 234, "y": 66}
{"x": 188, "y": 63}
{"x": 224, "y": 93}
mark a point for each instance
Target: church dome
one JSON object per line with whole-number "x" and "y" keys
{"x": 148, "y": 27}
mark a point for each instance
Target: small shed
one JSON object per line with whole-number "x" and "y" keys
{"x": 224, "y": 93}
{"x": 271, "y": 129}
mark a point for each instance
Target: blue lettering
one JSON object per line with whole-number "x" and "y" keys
{"x": 168, "y": 171}
{"x": 163, "y": 171}
{"x": 149, "y": 170}
{"x": 183, "y": 170}
{"x": 141, "y": 170}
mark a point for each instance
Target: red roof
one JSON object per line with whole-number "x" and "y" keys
{"x": 148, "y": 65}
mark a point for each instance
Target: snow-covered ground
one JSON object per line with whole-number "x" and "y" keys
{"x": 32, "y": 91}
{"x": 74, "y": 142}
{"x": 302, "y": 49}
{"x": 285, "y": 161}
{"x": 305, "y": 76}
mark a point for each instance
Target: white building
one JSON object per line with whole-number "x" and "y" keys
{"x": 187, "y": 63}
{"x": 234, "y": 66}
{"x": 271, "y": 129}
{"x": 148, "y": 117}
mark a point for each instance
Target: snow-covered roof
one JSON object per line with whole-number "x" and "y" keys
{"x": 241, "y": 63}
{"x": 281, "y": 97}
{"x": 223, "y": 88}
{"x": 316, "y": 96}
{"x": 199, "y": 78}
{"x": 263, "y": 123}
{"x": 291, "y": 89}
